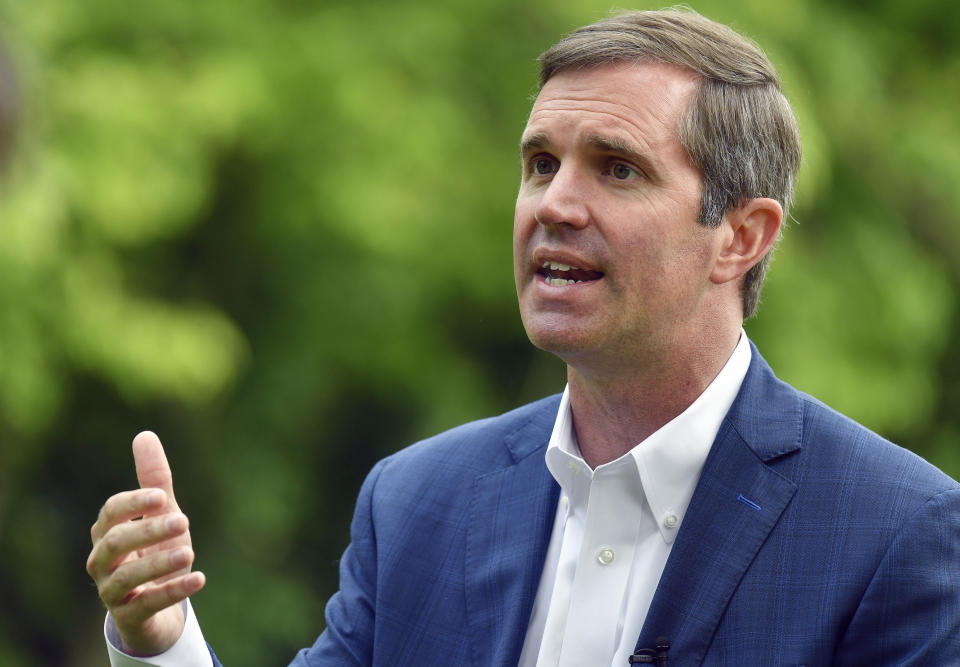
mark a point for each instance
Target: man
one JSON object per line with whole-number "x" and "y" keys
{"x": 677, "y": 502}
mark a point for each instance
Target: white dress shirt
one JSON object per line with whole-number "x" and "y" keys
{"x": 189, "y": 651}
{"x": 615, "y": 527}
{"x": 612, "y": 535}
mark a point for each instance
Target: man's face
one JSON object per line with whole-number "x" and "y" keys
{"x": 608, "y": 188}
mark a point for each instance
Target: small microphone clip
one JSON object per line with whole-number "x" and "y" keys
{"x": 652, "y": 656}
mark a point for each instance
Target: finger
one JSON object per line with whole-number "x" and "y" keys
{"x": 124, "y": 538}
{"x": 149, "y": 601}
{"x": 134, "y": 577}
{"x": 151, "y": 462}
{"x": 125, "y": 506}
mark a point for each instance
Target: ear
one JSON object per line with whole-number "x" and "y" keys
{"x": 751, "y": 231}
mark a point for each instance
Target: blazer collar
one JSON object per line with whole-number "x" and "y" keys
{"x": 768, "y": 413}
{"x": 736, "y": 504}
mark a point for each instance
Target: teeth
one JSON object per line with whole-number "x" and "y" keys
{"x": 557, "y": 266}
{"x": 561, "y": 282}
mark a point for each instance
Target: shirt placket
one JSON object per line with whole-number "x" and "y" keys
{"x": 595, "y": 617}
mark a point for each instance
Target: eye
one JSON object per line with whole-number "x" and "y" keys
{"x": 543, "y": 166}
{"x": 621, "y": 172}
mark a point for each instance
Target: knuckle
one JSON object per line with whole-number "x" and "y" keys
{"x": 107, "y": 510}
{"x": 105, "y": 593}
{"x": 120, "y": 583}
{"x": 112, "y": 542}
{"x": 118, "y": 593}
{"x": 114, "y": 499}
{"x": 158, "y": 527}
{"x": 92, "y": 565}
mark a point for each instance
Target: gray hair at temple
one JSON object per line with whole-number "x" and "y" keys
{"x": 739, "y": 129}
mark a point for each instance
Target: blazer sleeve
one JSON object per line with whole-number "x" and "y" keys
{"x": 910, "y": 613}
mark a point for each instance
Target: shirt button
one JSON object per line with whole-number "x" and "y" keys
{"x": 670, "y": 521}
{"x": 573, "y": 466}
{"x": 564, "y": 503}
{"x": 605, "y": 556}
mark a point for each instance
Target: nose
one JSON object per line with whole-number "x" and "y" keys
{"x": 564, "y": 202}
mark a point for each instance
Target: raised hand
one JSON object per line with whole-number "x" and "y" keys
{"x": 142, "y": 554}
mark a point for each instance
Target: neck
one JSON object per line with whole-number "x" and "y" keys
{"x": 614, "y": 411}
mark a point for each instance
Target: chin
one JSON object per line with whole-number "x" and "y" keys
{"x": 556, "y": 340}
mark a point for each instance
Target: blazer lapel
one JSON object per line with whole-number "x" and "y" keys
{"x": 511, "y": 521}
{"x": 736, "y": 504}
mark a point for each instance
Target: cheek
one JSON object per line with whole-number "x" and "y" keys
{"x": 521, "y": 233}
{"x": 524, "y": 223}
{"x": 523, "y": 210}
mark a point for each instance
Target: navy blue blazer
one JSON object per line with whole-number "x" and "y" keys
{"x": 809, "y": 540}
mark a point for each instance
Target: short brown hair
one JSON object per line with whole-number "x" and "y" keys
{"x": 739, "y": 129}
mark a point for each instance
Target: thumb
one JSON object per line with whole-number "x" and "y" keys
{"x": 153, "y": 471}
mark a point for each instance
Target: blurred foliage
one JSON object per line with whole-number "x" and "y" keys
{"x": 277, "y": 232}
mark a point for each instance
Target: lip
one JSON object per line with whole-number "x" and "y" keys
{"x": 542, "y": 255}
{"x": 577, "y": 262}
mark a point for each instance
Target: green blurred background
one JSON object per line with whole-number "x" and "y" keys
{"x": 277, "y": 232}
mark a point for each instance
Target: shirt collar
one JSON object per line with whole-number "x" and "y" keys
{"x": 670, "y": 460}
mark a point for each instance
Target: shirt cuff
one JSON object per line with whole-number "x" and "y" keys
{"x": 189, "y": 651}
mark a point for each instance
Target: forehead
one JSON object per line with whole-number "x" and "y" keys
{"x": 637, "y": 102}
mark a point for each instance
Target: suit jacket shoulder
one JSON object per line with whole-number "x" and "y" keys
{"x": 794, "y": 548}
{"x": 472, "y": 449}
{"x": 447, "y": 544}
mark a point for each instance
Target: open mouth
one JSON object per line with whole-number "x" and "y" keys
{"x": 556, "y": 274}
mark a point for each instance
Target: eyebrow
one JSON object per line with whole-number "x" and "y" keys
{"x": 625, "y": 149}
{"x": 533, "y": 142}
{"x": 622, "y": 148}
